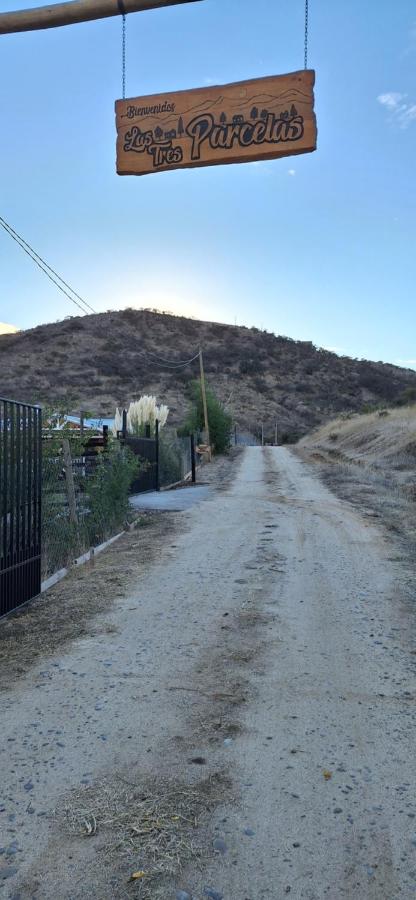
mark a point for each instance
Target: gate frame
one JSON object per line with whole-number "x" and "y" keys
{"x": 146, "y": 448}
{"x": 20, "y": 503}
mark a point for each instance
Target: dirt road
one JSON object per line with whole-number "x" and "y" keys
{"x": 260, "y": 680}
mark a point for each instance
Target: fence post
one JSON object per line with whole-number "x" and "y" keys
{"x": 105, "y": 435}
{"x": 69, "y": 477}
{"x": 124, "y": 425}
{"x": 193, "y": 458}
{"x": 157, "y": 455}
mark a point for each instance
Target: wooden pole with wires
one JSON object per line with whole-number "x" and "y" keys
{"x": 204, "y": 399}
{"x": 74, "y": 11}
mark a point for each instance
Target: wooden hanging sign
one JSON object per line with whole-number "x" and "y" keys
{"x": 234, "y": 123}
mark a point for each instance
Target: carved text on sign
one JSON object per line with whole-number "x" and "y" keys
{"x": 176, "y": 132}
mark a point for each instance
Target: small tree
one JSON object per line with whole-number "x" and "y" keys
{"x": 220, "y": 422}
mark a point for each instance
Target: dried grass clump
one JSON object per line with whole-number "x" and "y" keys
{"x": 153, "y": 826}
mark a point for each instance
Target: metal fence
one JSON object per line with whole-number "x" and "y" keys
{"x": 20, "y": 503}
{"x": 175, "y": 457}
{"x": 84, "y": 497}
{"x": 147, "y": 450}
{"x": 165, "y": 459}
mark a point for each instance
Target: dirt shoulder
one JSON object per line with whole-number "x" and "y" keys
{"x": 75, "y": 606}
{"x": 68, "y": 610}
{"x": 370, "y": 461}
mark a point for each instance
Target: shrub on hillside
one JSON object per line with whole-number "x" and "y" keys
{"x": 260, "y": 385}
{"x": 251, "y": 367}
{"x": 407, "y": 397}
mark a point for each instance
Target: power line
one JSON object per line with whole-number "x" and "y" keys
{"x": 169, "y": 361}
{"x": 171, "y": 365}
{"x": 46, "y": 268}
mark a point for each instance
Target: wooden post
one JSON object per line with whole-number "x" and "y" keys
{"x": 275, "y": 434}
{"x": 81, "y": 423}
{"x": 105, "y": 435}
{"x": 193, "y": 458}
{"x": 124, "y": 425}
{"x": 262, "y": 434}
{"x": 235, "y": 435}
{"x": 70, "y": 13}
{"x": 204, "y": 399}
{"x": 69, "y": 477}
{"x": 157, "y": 455}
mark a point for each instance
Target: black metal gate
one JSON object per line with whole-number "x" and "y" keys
{"x": 20, "y": 503}
{"x": 148, "y": 476}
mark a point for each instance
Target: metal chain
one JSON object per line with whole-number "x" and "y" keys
{"x": 306, "y": 31}
{"x": 123, "y": 57}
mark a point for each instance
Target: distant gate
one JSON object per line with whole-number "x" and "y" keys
{"x": 20, "y": 503}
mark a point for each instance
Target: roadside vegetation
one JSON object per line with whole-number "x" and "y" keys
{"x": 371, "y": 460}
{"x": 220, "y": 421}
{"x": 76, "y": 518}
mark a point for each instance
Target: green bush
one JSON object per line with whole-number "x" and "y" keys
{"x": 108, "y": 491}
{"x": 220, "y": 422}
{"x": 101, "y": 496}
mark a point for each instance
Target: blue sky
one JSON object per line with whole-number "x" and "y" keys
{"x": 318, "y": 247}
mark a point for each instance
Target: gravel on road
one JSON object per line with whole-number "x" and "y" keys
{"x": 244, "y": 726}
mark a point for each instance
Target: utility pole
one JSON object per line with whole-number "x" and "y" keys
{"x": 74, "y": 11}
{"x": 204, "y": 398}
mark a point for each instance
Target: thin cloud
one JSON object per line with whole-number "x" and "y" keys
{"x": 401, "y": 112}
{"x": 291, "y": 172}
{"x": 412, "y": 45}
{"x": 392, "y": 99}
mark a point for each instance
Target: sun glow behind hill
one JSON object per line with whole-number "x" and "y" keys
{"x": 7, "y": 329}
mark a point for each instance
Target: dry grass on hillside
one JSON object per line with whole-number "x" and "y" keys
{"x": 371, "y": 460}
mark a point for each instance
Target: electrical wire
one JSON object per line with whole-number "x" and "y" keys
{"x": 161, "y": 359}
{"x": 170, "y": 364}
{"x": 46, "y": 268}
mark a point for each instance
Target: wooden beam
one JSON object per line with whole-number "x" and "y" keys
{"x": 75, "y": 11}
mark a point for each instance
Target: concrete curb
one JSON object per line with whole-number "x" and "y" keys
{"x": 86, "y": 557}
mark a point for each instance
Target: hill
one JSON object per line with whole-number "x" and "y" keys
{"x": 99, "y": 361}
